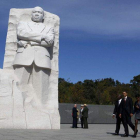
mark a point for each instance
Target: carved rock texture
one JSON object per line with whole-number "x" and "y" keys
{"x": 20, "y": 110}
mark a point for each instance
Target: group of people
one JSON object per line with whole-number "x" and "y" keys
{"x": 123, "y": 111}
{"x": 81, "y": 116}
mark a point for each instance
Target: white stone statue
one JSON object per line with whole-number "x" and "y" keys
{"x": 31, "y": 74}
{"x": 32, "y": 61}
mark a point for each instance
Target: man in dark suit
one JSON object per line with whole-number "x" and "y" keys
{"x": 85, "y": 116}
{"x": 126, "y": 112}
{"x": 116, "y": 113}
{"x": 74, "y": 115}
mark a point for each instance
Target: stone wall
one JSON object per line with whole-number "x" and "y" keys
{"x": 98, "y": 114}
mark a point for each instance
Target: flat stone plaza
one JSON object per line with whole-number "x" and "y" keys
{"x": 95, "y": 132}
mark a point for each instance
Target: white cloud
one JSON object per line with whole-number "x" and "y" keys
{"x": 98, "y": 17}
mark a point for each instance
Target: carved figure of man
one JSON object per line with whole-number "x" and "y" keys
{"x": 32, "y": 62}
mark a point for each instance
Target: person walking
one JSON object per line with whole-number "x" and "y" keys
{"x": 137, "y": 114}
{"x": 85, "y": 116}
{"x": 126, "y": 112}
{"x": 116, "y": 113}
{"x": 74, "y": 115}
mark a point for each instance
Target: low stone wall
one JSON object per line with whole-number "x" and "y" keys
{"x": 98, "y": 114}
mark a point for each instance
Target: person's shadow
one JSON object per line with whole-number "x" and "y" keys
{"x": 110, "y": 133}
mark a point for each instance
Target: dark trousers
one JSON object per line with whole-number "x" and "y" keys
{"x": 82, "y": 122}
{"x": 74, "y": 122}
{"x": 118, "y": 123}
{"x": 126, "y": 118}
{"x": 85, "y": 122}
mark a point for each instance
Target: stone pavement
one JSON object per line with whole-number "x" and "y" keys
{"x": 95, "y": 132}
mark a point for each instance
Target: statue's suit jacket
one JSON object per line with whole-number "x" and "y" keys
{"x": 30, "y": 46}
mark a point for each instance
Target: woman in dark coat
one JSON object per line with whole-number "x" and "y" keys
{"x": 137, "y": 114}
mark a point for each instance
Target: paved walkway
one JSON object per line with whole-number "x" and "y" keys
{"x": 95, "y": 132}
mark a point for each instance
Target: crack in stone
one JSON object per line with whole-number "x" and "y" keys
{"x": 13, "y": 103}
{"x": 24, "y": 110}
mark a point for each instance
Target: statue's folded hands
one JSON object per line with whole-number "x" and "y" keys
{"x": 22, "y": 43}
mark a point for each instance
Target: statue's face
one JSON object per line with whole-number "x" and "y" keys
{"x": 37, "y": 14}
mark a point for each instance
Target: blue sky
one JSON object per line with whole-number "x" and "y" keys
{"x": 98, "y": 38}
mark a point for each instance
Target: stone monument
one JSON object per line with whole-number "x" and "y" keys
{"x": 29, "y": 79}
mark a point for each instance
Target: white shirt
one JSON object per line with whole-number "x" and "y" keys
{"x": 125, "y": 98}
{"x": 119, "y": 101}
